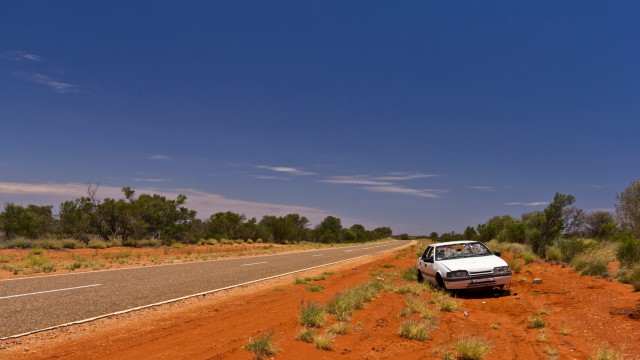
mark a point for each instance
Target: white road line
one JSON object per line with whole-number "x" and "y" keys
{"x": 49, "y": 291}
{"x": 317, "y": 255}
{"x": 258, "y": 263}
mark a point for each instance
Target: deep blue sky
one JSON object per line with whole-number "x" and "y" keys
{"x": 422, "y": 116}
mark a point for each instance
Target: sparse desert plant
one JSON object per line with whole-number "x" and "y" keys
{"x": 36, "y": 251}
{"x": 97, "y": 244}
{"x": 472, "y": 348}
{"x": 528, "y": 257}
{"x": 444, "y": 302}
{"x": 516, "y": 265}
{"x": 315, "y": 288}
{"x": 306, "y": 335}
{"x": 416, "y": 305}
{"x": 344, "y": 304}
{"x": 414, "y": 289}
{"x": 415, "y": 330}
{"x": 564, "y": 331}
{"x": 262, "y": 346}
{"x": 630, "y": 276}
{"x": 553, "y": 254}
{"x": 542, "y": 335}
{"x": 327, "y": 273}
{"x": 300, "y": 281}
{"x": 605, "y": 352}
{"x": 312, "y": 315}
{"x": 19, "y": 243}
{"x": 323, "y": 342}
{"x": 536, "y": 322}
{"x": 71, "y": 244}
{"x": 339, "y": 328}
{"x": 593, "y": 263}
{"x": 629, "y": 250}
{"x": 551, "y": 351}
{"x": 495, "y": 325}
{"x": 388, "y": 266}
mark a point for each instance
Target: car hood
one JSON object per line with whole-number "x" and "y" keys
{"x": 474, "y": 264}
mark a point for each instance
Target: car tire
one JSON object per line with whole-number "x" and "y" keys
{"x": 419, "y": 276}
{"x": 440, "y": 282}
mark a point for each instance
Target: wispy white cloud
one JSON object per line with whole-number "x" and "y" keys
{"x": 401, "y": 176}
{"x": 428, "y": 193}
{"x": 205, "y": 203}
{"x": 267, "y": 177}
{"x": 159, "y": 157}
{"x": 354, "y": 180}
{"x": 56, "y": 85}
{"x": 20, "y": 56}
{"x": 153, "y": 180}
{"x": 535, "y": 203}
{"x": 287, "y": 170}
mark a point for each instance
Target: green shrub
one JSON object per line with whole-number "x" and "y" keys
{"x": 262, "y": 347}
{"x": 553, "y": 254}
{"x": 444, "y": 302}
{"x": 516, "y": 265}
{"x": 71, "y": 244}
{"x": 536, "y": 322}
{"x": 415, "y": 330}
{"x": 36, "y": 251}
{"x": 344, "y": 304}
{"x": 472, "y": 348}
{"x": 630, "y": 276}
{"x": 410, "y": 274}
{"x": 315, "y": 288}
{"x": 528, "y": 257}
{"x": 300, "y": 281}
{"x": 97, "y": 244}
{"x": 571, "y": 247}
{"x": 323, "y": 342}
{"x": 312, "y": 315}
{"x": 306, "y": 335}
{"x": 340, "y": 328}
{"x": 19, "y": 243}
{"x": 48, "y": 244}
{"x": 628, "y": 250}
{"x": 593, "y": 263}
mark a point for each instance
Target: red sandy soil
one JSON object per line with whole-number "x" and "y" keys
{"x": 590, "y": 311}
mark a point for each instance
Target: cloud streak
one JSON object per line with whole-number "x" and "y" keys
{"x": 354, "y": 180}
{"x": 535, "y": 203}
{"x": 153, "y": 180}
{"x": 287, "y": 170}
{"x": 20, "y": 56}
{"x": 427, "y": 193}
{"x": 403, "y": 176}
{"x": 56, "y": 85}
{"x": 159, "y": 157}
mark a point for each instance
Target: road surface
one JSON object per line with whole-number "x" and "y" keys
{"x": 32, "y": 304}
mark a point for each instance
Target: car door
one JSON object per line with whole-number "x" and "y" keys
{"x": 426, "y": 264}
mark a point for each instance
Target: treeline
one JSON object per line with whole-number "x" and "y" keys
{"x": 151, "y": 216}
{"x": 561, "y": 222}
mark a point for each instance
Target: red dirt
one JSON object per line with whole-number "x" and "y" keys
{"x": 593, "y": 311}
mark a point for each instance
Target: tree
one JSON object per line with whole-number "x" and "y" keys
{"x": 470, "y": 233}
{"x": 628, "y": 209}
{"x": 31, "y": 222}
{"x": 598, "y": 224}
{"x": 559, "y": 217}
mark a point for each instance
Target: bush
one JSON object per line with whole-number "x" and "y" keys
{"x": 306, "y": 335}
{"x": 71, "y": 244}
{"x": 553, "y": 254}
{"x": 19, "y": 243}
{"x": 323, "y": 342}
{"x": 97, "y": 244}
{"x": 340, "y": 328}
{"x": 628, "y": 250}
{"x": 574, "y": 246}
{"x": 605, "y": 352}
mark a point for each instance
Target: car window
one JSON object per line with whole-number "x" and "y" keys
{"x": 428, "y": 252}
{"x": 463, "y": 250}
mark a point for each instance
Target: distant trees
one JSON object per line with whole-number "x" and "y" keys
{"x": 628, "y": 209}
{"x": 152, "y": 216}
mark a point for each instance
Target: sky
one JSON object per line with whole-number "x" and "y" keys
{"x": 418, "y": 115}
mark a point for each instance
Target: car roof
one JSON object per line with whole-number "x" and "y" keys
{"x": 454, "y": 242}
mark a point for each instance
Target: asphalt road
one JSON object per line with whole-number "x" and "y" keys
{"x": 31, "y": 304}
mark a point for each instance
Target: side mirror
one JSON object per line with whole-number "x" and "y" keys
{"x": 496, "y": 253}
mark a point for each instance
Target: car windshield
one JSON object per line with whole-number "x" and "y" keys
{"x": 463, "y": 250}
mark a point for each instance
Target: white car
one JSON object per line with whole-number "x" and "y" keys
{"x": 459, "y": 265}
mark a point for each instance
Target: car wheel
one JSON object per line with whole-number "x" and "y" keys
{"x": 419, "y": 276}
{"x": 440, "y": 281}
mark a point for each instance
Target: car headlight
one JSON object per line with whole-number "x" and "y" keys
{"x": 502, "y": 270}
{"x": 457, "y": 274}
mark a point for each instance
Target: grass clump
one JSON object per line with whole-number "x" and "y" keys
{"x": 262, "y": 346}
{"x": 339, "y": 328}
{"x": 415, "y": 330}
{"x": 472, "y": 348}
{"x": 414, "y": 289}
{"x": 444, "y": 302}
{"x": 306, "y": 335}
{"x": 605, "y": 352}
{"x": 593, "y": 263}
{"x": 516, "y": 265}
{"x": 344, "y": 304}
{"x": 542, "y": 335}
{"x": 315, "y": 288}
{"x": 536, "y": 322}
{"x": 323, "y": 342}
{"x": 300, "y": 281}
{"x": 630, "y": 276}
{"x": 312, "y": 315}
{"x": 410, "y": 274}
{"x": 495, "y": 325}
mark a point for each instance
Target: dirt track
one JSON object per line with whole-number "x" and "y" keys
{"x": 589, "y": 311}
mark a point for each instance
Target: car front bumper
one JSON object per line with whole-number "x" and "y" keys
{"x": 477, "y": 282}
